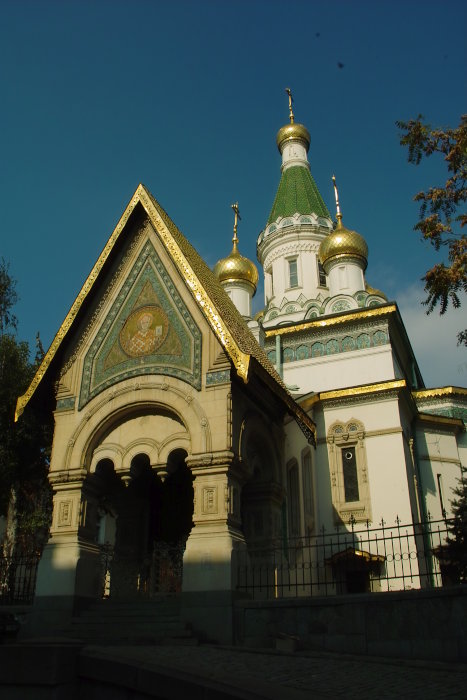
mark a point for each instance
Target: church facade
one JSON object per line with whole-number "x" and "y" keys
{"x": 189, "y": 434}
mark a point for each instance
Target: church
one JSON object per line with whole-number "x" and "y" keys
{"x": 191, "y": 437}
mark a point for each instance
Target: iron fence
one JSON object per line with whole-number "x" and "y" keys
{"x": 141, "y": 576}
{"x": 18, "y": 579}
{"x": 348, "y": 559}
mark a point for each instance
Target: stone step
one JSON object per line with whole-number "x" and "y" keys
{"x": 116, "y": 627}
{"x": 119, "y": 621}
{"x": 127, "y": 614}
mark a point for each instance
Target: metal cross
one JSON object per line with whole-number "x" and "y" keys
{"x": 236, "y": 220}
{"x": 291, "y": 114}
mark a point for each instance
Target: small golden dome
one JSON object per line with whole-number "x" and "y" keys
{"x": 293, "y": 131}
{"x": 236, "y": 268}
{"x": 342, "y": 241}
{"x": 376, "y": 292}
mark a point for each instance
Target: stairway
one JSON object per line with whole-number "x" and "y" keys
{"x": 132, "y": 622}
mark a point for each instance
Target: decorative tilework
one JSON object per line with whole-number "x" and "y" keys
{"x": 340, "y": 306}
{"x": 288, "y": 355}
{"x": 332, "y": 346}
{"x": 303, "y": 352}
{"x": 272, "y": 356}
{"x": 220, "y": 377}
{"x": 317, "y": 350}
{"x": 67, "y": 404}
{"x": 380, "y": 338}
{"x": 115, "y": 353}
{"x": 450, "y": 412}
{"x": 348, "y": 343}
{"x": 363, "y": 340}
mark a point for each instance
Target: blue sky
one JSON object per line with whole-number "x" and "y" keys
{"x": 187, "y": 97}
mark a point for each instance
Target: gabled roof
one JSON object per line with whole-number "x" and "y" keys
{"x": 297, "y": 193}
{"x": 221, "y": 314}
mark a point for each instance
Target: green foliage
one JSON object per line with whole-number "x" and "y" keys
{"x": 24, "y": 446}
{"x": 441, "y": 221}
{"x": 456, "y": 548}
{"x": 8, "y": 299}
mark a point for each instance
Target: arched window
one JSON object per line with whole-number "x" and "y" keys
{"x": 349, "y": 471}
{"x": 293, "y": 498}
{"x": 308, "y": 493}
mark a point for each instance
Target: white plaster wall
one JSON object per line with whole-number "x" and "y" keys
{"x": 438, "y": 454}
{"x": 345, "y": 278}
{"x": 342, "y": 370}
{"x": 294, "y": 153}
{"x": 241, "y": 296}
{"x": 386, "y": 459}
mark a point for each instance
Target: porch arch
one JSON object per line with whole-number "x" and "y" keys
{"x": 115, "y": 408}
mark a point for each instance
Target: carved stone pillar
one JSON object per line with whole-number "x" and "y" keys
{"x": 69, "y": 568}
{"x": 210, "y": 560}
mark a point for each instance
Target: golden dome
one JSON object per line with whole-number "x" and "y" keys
{"x": 342, "y": 241}
{"x": 293, "y": 131}
{"x": 376, "y": 292}
{"x": 236, "y": 268}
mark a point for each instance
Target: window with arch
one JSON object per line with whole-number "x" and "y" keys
{"x": 308, "y": 492}
{"x": 349, "y": 471}
{"x": 293, "y": 500}
{"x": 293, "y": 273}
{"x": 322, "y": 279}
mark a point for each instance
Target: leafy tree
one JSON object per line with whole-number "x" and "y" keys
{"x": 24, "y": 446}
{"x": 441, "y": 218}
{"x": 456, "y": 549}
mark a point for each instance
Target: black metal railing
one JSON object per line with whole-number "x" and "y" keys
{"x": 348, "y": 559}
{"x": 18, "y": 579}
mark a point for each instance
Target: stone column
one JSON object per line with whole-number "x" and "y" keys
{"x": 69, "y": 570}
{"x": 210, "y": 559}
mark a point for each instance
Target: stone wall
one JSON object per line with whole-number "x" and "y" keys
{"x": 421, "y": 624}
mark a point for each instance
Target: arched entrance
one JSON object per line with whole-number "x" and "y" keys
{"x": 144, "y": 519}
{"x": 262, "y": 495}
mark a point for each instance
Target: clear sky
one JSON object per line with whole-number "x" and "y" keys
{"x": 187, "y": 97}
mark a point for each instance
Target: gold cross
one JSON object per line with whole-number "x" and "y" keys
{"x": 236, "y": 220}
{"x": 336, "y": 194}
{"x": 291, "y": 114}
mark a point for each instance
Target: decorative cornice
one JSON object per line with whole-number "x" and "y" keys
{"x": 440, "y": 392}
{"x": 327, "y": 322}
{"x": 299, "y": 246}
{"x": 441, "y": 420}
{"x": 364, "y": 389}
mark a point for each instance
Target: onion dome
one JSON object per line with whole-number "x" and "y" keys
{"x": 236, "y": 268}
{"x": 343, "y": 242}
{"x": 293, "y": 132}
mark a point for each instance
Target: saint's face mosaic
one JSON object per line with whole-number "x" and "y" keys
{"x": 149, "y": 330}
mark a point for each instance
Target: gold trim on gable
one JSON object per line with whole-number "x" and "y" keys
{"x": 327, "y": 322}
{"x": 240, "y": 359}
{"x": 71, "y": 315}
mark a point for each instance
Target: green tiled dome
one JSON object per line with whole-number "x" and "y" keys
{"x": 297, "y": 192}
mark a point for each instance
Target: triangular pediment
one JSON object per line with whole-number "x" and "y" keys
{"x": 209, "y": 297}
{"x": 148, "y": 330}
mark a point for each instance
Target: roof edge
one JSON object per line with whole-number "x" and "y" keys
{"x": 23, "y": 400}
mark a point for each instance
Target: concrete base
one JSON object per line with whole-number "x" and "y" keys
{"x": 417, "y": 624}
{"x": 210, "y": 614}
